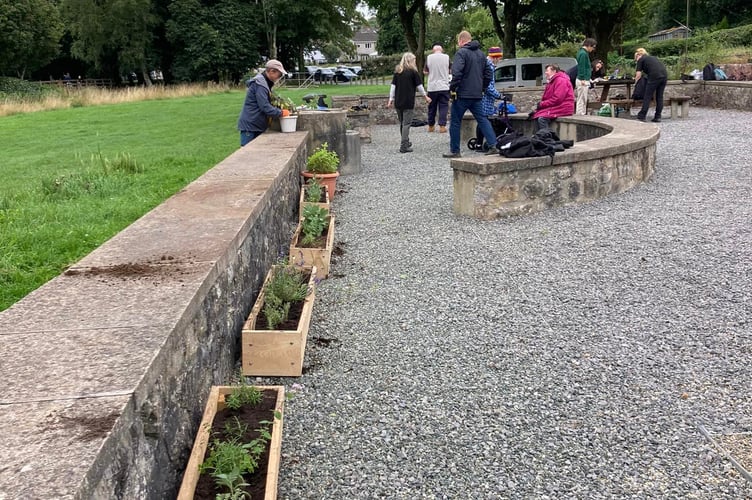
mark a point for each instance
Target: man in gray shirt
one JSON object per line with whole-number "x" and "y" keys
{"x": 437, "y": 69}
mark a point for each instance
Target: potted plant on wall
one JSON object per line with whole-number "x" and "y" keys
{"x": 313, "y": 241}
{"x": 275, "y": 333}
{"x": 323, "y": 165}
{"x": 236, "y": 453}
{"x": 313, "y": 193}
{"x": 288, "y": 122}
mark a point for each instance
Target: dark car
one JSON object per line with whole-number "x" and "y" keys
{"x": 344, "y": 75}
{"x": 324, "y": 75}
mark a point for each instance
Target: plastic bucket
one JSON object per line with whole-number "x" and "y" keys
{"x": 288, "y": 123}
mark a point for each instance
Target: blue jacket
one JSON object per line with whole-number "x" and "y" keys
{"x": 490, "y": 95}
{"x": 470, "y": 73}
{"x": 257, "y": 108}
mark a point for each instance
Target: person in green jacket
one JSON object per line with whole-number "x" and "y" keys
{"x": 584, "y": 70}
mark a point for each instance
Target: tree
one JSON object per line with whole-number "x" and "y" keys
{"x": 411, "y": 13}
{"x": 30, "y": 32}
{"x": 214, "y": 42}
{"x": 115, "y": 36}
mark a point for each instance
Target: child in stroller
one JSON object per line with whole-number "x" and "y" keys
{"x": 500, "y": 123}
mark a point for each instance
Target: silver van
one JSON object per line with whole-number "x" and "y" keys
{"x": 527, "y": 71}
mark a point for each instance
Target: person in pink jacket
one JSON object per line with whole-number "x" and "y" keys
{"x": 557, "y": 100}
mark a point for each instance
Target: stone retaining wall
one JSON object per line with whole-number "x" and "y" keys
{"x": 106, "y": 368}
{"x": 726, "y": 94}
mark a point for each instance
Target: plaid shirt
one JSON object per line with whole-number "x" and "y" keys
{"x": 490, "y": 95}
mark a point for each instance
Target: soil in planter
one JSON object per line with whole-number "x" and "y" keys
{"x": 252, "y": 416}
{"x": 296, "y": 310}
{"x": 319, "y": 242}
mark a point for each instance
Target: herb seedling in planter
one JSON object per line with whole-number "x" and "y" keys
{"x": 314, "y": 191}
{"x": 288, "y": 285}
{"x": 315, "y": 221}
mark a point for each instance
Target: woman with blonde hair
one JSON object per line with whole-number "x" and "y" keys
{"x": 405, "y": 82}
{"x": 656, "y": 83}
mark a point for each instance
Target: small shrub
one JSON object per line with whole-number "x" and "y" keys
{"x": 323, "y": 161}
{"x": 315, "y": 221}
{"x": 314, "y": 191}
{"x": 287, "y": 286}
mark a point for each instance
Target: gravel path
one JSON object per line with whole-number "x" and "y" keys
{"x": 568, "y": 354}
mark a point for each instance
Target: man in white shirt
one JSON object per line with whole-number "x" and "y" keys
{"x": 437, "y": 69}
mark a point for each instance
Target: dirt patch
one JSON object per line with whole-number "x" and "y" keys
{"x": 84, "y": 427}
{"x": 165, "y": 266}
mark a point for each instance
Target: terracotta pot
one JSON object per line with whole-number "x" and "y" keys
{"x": 329, "y": 180}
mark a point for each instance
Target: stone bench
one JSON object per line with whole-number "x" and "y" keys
{"x": 609, "y": 156}
{"x": 675, "y": 105}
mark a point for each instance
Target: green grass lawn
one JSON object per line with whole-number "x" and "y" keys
{"x": 73, "y": 178}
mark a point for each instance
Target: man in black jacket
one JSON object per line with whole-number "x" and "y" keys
{"x": 470, "y": 77}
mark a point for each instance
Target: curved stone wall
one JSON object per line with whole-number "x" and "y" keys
{"x": 609, "y": 156}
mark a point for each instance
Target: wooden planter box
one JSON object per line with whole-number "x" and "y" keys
{"x": 303, "y": 203}
{"x": 320, "y": 258}
{"x": 216, "y": 403}
{"x": 276, "y": 353}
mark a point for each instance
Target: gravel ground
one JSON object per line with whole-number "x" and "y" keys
{"x": 568, "y": 354}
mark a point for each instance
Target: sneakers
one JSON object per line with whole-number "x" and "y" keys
{"x": 656, "y": 119}
{"x": 406, "y": 150}
{"x": 431, "y": 128}
{"x": 442, "y": 129}
{"x": 452, "y": 155}
{"x": 641, "y": 118}
{"x": 493, "y": 150}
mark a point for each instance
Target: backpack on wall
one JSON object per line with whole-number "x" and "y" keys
{"x": 708, "y": 72}
{"x": 720, "y": 74}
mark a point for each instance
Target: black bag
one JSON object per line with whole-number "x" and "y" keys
{"x": 708, "y": 72}
{"x": 639, "y": 89}
{"x": 572, "y": 73}
{"x": 526, "y": 147}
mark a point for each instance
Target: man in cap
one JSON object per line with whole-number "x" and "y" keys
{"x": 257, "y": 108}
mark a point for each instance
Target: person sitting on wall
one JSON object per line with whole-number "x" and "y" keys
{"x": 557, "y": 100}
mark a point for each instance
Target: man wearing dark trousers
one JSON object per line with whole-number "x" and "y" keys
{"x": 470, "y": 77}
{"x": 656, "y": 84}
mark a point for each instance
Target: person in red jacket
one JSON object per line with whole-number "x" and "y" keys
{"x": 557, "y": 100}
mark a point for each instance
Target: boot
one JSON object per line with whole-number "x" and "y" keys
{"x": 442, "y": 129}
{"x": 431, "y": 128}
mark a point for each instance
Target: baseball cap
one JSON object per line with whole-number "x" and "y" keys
{"x": 274, "y": 64}
{"x": 495, "y": 52}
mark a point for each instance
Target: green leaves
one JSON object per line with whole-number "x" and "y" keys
{"x": 315, "y": 221}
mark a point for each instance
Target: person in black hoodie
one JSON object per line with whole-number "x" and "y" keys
{"x": 470, "y": 77}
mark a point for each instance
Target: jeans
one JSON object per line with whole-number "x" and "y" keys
{"x": 459, "y": 107}
{"x": 657, "y": 86}
{"x": 405, "y": 120}
{"x": 246, "y": 137}
{"x": 542, "y": 123}
{"x": 440, "y": 102}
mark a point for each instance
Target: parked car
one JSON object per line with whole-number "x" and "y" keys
{"x": 355, "y": 69}
{"x": 324, "y": 75}
{"x": 344, "y": 75}
{"x": 527, "y": 71}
